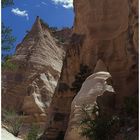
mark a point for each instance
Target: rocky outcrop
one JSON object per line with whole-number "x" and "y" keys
{"x": 95, "y": 91}
{"x": 105, "y": 30}
{"x": 31, "y": 85}
{"x": 63, "y": 35}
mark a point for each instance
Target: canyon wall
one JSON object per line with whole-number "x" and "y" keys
{"x": 105, "y": 30}
{"x": 28, "y": 89}
{"x": 45, "y": 82}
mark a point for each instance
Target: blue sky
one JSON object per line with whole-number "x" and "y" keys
{"x": 21, "y": 16}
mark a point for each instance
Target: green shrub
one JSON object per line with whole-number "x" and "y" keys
{"x": 80, "y": 77}
{"x": 33, "y": 133}
{"x": 99, "y": 128}
{"x": 8, "y": 65}
{"x": 13, "y": 121}
{"x": 131, "y": 105}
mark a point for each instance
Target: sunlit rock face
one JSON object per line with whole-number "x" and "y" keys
{"x": 102, "y": 20}
{"x": 5, "y": 135}
{"x": 117, "y": 50}
{"x": 94, "y": 86}
{"x": 111, "y": 31}
{"x": 30, "y": 87}
{"x": 105, "y": 30}
{"x": 97, "y": 90}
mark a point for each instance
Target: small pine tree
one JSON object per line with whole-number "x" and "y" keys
{"x": 6, "y": 3}
{"x": 33, "y": 133}
{"x": 7, "y": 38}
{"x": 13, "y": 121}
{"x": 131, "y": 106}
{"x": 85, "y": 71}
{"x": 99, "y": 128}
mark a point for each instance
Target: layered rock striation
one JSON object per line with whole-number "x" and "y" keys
{"x": 31, "y": 85}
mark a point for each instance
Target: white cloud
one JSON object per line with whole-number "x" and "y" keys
{"x": 64, "y": 3}
{"x": 44, "y": 3}
{"x": 21, "y": 13}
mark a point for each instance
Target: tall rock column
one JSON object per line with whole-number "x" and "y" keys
{"x": 38, "y": 60}
{"x": 95, "y": 90}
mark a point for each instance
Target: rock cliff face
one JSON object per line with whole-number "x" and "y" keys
{"x": 105, "y": 30}
{"x": 105, "y": 35}
{"x": 96, "y": 87}
{"x": 109, "y": 27}
{"x": 38, "y": 60}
